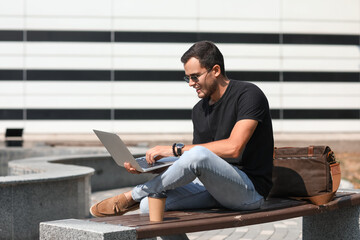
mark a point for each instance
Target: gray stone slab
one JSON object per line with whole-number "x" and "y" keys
{"x": 6, "y": 217}
{"x": 73, "y": 229}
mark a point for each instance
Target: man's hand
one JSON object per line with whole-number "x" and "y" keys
{"x": 130, "y": 168}
{"x": 158, "y": 152}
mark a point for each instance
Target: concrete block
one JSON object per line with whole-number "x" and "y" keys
{"x": 6, "y": 216}
{"x": 335, "y": 225}
{"x": 84, "y": 230}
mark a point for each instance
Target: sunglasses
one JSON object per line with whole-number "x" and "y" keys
{"x": 194, "y": 77}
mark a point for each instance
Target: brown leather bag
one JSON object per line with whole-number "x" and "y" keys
{"x": 310, "y": 173}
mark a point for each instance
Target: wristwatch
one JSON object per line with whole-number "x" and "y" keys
{"x": 179, "y": 147}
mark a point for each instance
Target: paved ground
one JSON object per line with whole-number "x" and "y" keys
{"x": 290, "y": 229}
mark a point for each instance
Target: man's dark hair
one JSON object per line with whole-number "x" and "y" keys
{"x": 207, "y": 54}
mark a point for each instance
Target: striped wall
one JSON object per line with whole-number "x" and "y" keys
{"x": 71, "y": 66}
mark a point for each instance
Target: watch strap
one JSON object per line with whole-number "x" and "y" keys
{"x": 173, "y": 149}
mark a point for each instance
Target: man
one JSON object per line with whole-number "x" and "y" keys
{"x": 229, "y": 163}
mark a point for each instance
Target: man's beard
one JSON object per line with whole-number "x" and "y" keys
{"x": 211, "y": 89}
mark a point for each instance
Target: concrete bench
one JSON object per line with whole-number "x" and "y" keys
{"x": 338, "y": 219}
{"x": 47, "y": 188}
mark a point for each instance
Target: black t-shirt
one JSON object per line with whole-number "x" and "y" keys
{"x": 241, "y": 100}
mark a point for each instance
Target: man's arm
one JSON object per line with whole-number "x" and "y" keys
{"x": 225, "y": 148}
{"x": 233, "y": 146}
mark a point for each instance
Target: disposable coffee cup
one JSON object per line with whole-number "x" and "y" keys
{"x": 157, "y": 206}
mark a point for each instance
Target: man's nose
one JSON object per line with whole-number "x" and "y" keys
{"x": 191, "y": 82}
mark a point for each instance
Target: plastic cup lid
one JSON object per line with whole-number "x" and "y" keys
{"x": 158, "y": 195}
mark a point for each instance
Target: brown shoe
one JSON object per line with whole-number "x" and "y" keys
{"x": 114, "y": 206}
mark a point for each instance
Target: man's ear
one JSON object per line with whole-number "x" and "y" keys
{"x": 217, "y": 70}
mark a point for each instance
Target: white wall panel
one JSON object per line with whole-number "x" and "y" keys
{"x": 12, "y": 101}
{"x": 176, "y": 50}
{"x": 11, "y": 62}
{"x": 68, "y": 88}
{"x": 123, "y": 126}
{"x": 78, "y": 8}
{"x": 154, "y": 102}
{"x": 169, "y": 24}
{"x": 270, "y": 88}
{"x": 54, "y": 22}
{"x": 243, "y": 9}
{"x": 249, "y": 50}
{"x": 155, "y": 9}
{"x": 68, "y": 62}
{"x": 11, "y": 124}
{"x": 239, "y": 25}
{"x": 11, "y": 22}
{"x": 68, "y": 101}
{"x": 329, "y": 126}
{"x": 68, "y": 48}
{"x": 321, "y": 102}
{"x": 261, "y": 64}
{"x": 321, "y": 89}
{"x": 11, "y": 87}
{"x": 313, "y": 51}
{"x": 64, "y": 126}
{"x": 13, "y": 7}
{"x": 321, "y": 96}
{"x": 12, "y": 48}
{"x": 326, "y": 64}
{"x": 147, "y": 63}
{"x": 162, "y": 126}
{"x": 150, "y": 49}
{"x": 321, "y": 27}
{"x": 273, "y": 93}
{"x": 334, "y": 10}
{"x": 179, "y": 88}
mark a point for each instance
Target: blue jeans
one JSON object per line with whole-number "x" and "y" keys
{"x": 201, "y": 179}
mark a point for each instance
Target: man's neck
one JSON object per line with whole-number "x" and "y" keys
{"x": 223, "y": 83}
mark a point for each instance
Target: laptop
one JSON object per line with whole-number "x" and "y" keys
{"x": 121, "y": 154}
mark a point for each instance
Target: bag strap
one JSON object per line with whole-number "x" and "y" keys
{"x": 327, "y": 197}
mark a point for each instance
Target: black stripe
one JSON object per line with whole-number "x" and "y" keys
{"x": 141, "y": 75}
{"x": 190, "y": 37}
{"x": 69, "y": 36}
{"x": 264, "y": 38}
{"x": 11, "y": 114}
{"x": 153, "y": 114}
{"x": 8, "y": 35}
{"x": 68, "y": 75}
{"x": 321, "y": 76}
{"x": 11, "y": 75}
{"x": 275, "y": 113}
{"x": 322, "y": 114}
{"x": 155, "y": 37}
{"x": 163, "y": 114}
{"x": 68, "y": 114}
{"x": 180, "y": 37}
{"x": 321, "y": 39}
{"x": 148, "y": 75}
{"x": 262, "y": 76}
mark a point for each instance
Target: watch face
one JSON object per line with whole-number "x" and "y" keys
{"x": 180, "y": 145}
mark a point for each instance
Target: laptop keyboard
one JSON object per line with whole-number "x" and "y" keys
{"x": 144, "y": 164}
